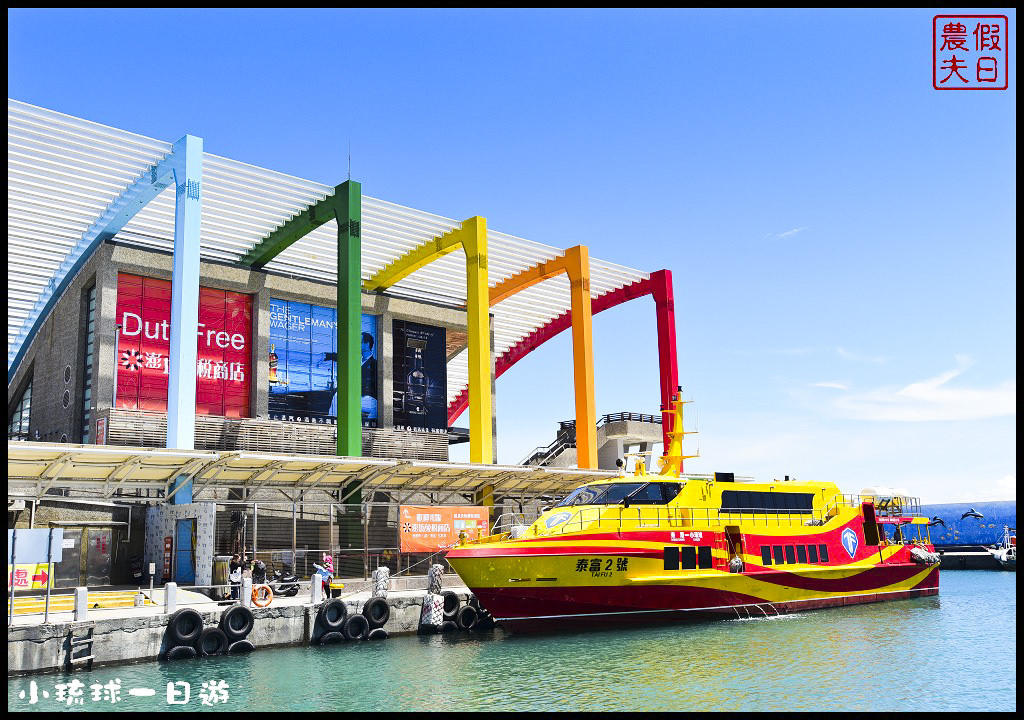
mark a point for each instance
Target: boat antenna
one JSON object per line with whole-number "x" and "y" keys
{"x": 349, "y": 159}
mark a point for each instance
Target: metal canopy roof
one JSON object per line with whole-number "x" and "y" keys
{"x": 63, "y": 172}
{"x": 33, "y": 468}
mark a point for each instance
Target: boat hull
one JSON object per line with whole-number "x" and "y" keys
{"x": 538, "y": 606}
{"x": 545, "y": 609}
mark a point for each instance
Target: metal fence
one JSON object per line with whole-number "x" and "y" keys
{"x": 293, "y": 538}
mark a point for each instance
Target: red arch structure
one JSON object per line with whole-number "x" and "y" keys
{"x": 658, "y": 286}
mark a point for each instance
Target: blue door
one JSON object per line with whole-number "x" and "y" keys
{"x": 185, "y": 552}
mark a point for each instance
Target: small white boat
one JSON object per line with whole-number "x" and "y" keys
{"x": 1006, "y": 551}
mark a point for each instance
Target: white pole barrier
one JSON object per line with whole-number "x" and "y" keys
{"x": 170, "y": 597}
{"x": 81, "y": 604}
{"x": 247, "y": 591}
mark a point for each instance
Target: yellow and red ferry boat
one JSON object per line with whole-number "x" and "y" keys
{"x": 656, "y": 548}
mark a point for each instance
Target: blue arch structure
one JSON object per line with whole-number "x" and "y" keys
{"x": 183, "y": 167}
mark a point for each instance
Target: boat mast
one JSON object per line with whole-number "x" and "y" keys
{"x": 672, "y": 460}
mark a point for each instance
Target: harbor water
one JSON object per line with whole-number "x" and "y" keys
{"x": 956, "y": 651}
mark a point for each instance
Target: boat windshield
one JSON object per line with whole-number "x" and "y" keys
{"x": 653, "y": 493}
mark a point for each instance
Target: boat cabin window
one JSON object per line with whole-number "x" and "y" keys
{"x": 704, "y": 557}
{"x": 786, "y": 555}
{"x": 767, "y": 502}
{"x": 823, "y": 552}
{"x": 655, "y": 493}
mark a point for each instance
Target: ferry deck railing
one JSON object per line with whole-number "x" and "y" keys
{"x": 615, "y": 518}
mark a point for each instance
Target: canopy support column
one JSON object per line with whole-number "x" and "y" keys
{"x": 347, "y": 204}
{"x": 665, "y": 309}
{"x": 181, "y": 391}
{"x": 474, "y": 242}
{"x": 577, "y": 265}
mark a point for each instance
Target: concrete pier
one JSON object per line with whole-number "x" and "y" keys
{"x": 138, "y": 634}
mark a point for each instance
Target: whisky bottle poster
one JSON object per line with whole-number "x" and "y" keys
{"x": 420, "y": 384}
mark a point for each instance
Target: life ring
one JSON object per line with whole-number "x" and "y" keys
{"x": 262, "y": 595}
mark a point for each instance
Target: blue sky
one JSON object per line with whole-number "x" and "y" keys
{"x": 842, "y": 235}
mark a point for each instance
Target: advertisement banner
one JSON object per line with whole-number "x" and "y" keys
{"x": 144, "y": 341}
{"x": 420, "y": 377}
{"x": 303, "y": 366}
{"x": 429, "y": 529}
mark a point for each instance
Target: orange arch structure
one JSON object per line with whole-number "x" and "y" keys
{"x": 574, "y": 262}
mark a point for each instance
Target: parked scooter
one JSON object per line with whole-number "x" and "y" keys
{"x": 284, "y": 584}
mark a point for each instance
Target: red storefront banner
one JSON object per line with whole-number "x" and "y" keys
{"x": 224, "y": 363}
{"x": 429, "y": 529}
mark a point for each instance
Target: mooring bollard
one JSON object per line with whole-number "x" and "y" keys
{"x": 381, "y": 582}
{"x": 247, "y": 591}
{"x": 170, "y": 597}
{"x": 431, "y": 613}
{"x": 434, "y": 578}
{"x": 81, "y": 604}
{"x": 316, "y": 590}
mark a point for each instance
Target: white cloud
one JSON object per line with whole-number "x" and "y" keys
{"x": 971, "y": 461}
{"x": 858, "y": 357}
{"x": 932, "y": 399}
{"x": 788, "y": 233}
{"x": 833, "y": 385}
{"x": 1005, "y": 488}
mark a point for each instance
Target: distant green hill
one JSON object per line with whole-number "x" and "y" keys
{"x": 971, "y": 531}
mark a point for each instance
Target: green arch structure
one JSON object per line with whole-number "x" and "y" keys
{"x": 345, "y": 206}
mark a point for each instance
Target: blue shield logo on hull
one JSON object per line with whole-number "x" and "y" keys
{"x": 557, "y": 519}
{"x": 850, "y": 541}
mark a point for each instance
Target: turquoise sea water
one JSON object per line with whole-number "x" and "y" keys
{"x": 956, "y": 651}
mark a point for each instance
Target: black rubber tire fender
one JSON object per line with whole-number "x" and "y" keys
{"x": 185, "y": 626}
{"x": 473, "y": 600}
{"x": 377, "y": 612}
{"x": 449, "y": 626}
{"x": 236, "y": 622}
{"x": 212, "y": 641}
{"x": 333, "y": 614}
{"x": 181, "y": 652}
{"x": 451, "y": 604}
{"x": 356, "y": 628}
{"x": 240, "y": 646}
{"x": 467, "y": 616}
{"x": 378, "y": 634}
{"x": 484, "y": 622}
{"x": 330, "y": 638}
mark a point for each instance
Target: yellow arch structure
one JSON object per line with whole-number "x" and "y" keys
{"x": 575, "y": 263}
{"x": 472, "y": 237}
